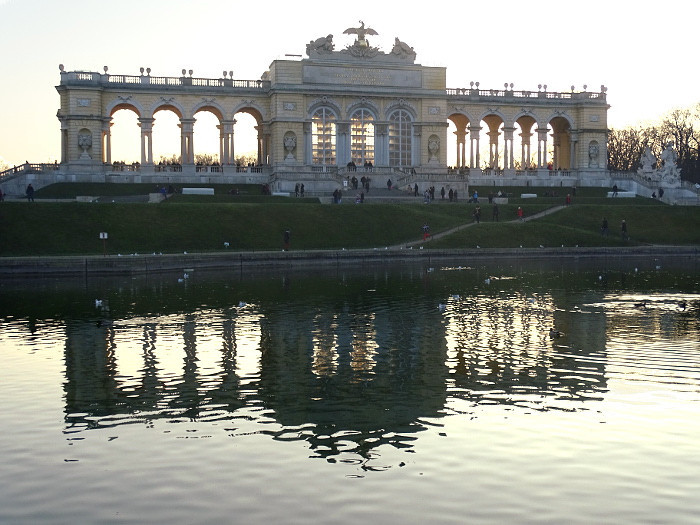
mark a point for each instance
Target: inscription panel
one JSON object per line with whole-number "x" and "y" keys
{"x": 355, "y": 76}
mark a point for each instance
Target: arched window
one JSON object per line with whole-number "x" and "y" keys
{"x": 400, "y": 138}
{"x": 323, "y": 137}
{"x": 362, "y": 136}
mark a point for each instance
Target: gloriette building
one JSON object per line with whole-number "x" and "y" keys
{"x": 346, "y": 107}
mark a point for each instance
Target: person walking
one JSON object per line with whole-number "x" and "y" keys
{"x": 520, "y": 213}
{"x": 623, "y": 230}
{"x": 30, "y": 193}
{"x": 287, "y": 239}
{"x": 604, "y": 227}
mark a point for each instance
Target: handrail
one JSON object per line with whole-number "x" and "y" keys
{"x": 109, "y": 80}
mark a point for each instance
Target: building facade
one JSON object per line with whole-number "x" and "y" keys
{"x": 338, "y": 111}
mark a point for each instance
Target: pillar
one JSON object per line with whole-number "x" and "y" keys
{"x": 542, "y": 147}
{"x": 186, "y": 141}
{"x": 226, "y": 147}
{"x": 525, "y": 152}
{"x": 508, "y": 160}
{"x": 493, "y": 148}
{"x": 146, "y": 125}
{"x": 474, "y": 156}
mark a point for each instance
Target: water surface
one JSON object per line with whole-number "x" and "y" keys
{"x": 407, "y": 394}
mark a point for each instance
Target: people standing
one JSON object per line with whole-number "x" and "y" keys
{"x": 388, "y": 184}
{"x": 520, "y": 213}
{"x": 477, "y": 214}
{"x": 301, "y": 189}
{"x": 426, "y": 231}
{"x": 442, "y": 193}
{"x": 287, "y": 239}
{"x": 415, "y": 190}
{"x": 568, "y": 199}
{"x": 623, "y": 230}
{"x": 296, "y": 190}
{"x": 30, "y": 193}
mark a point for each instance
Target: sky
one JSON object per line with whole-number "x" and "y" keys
{"x": 644, "y": 53}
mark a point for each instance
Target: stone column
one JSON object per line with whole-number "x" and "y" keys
{"x": 493, "y": 148}
{"x": 308, "y": 153}
{"x": 508, "y": 160}
{"x": 474, "y": 158}
{"x": 541, "y": 147}
{"x": 343, "y": 152}
{"x": 64, "y": 141}
{"x": 146, "y": 125}
{"x": 525, "y": 150}
{"x": 461, "y": 135}
{"x": 572, "y": 149}
{"x": 381, "y": 145}
{"x": 107, "y": 141}
{"x": 187, "y": 141}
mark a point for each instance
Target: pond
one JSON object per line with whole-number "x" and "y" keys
{"x": 386, "y": 394}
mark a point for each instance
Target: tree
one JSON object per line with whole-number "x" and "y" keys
{"x": 680, "y": 126}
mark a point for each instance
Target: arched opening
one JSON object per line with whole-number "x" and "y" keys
{"x": 323, "y": 137}
{"x": 523, "y": 141}
{"x": 561, "y": 154}
{"x": 207, "y": 133}
{"x": 166, "y": 136}
{"x": 458, "y": 152}
{"x": 246, "y": 139}
{"x": 362, "y": 137}
{"x": 125, "y": 136}
{"x": 400, "y": 138}
{"x": 492, "y": 151}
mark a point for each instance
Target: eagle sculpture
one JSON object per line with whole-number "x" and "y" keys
{"x": 360, "y": 32}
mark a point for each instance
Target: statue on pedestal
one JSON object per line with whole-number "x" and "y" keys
{"x": 648, "y": 161}
{"x": 669, "y": 172}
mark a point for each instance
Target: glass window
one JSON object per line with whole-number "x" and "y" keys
{"x": 323, "y": 137}
{"x": 362, "y": 137}
{"x": 400, "y": 133}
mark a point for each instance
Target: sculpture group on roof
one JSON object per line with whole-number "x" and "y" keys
{"x": 361, "y": 46}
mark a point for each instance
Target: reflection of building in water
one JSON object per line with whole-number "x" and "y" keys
{"x": 351, "y": 373}
{"x": 501, "y": 346}
{"x": 361, "y": 376}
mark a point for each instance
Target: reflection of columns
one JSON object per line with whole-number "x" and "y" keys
{"x": 508, "y": 148}
{"x": 474, "y": 157}
{"x": 525, "y": 153}
{"x": 226, "y": 155}
{"x": 493, "y": 148}
{"x": 186, "y": 141}
{"x": 146, "y": 125}
{"x": 541, "y": 147}
{"x": 106, "y": 141}
{"x": 461, "y": 147}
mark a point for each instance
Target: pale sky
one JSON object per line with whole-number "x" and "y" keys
{"x": 645, "y": 53}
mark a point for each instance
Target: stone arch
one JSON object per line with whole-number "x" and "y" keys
{"x": 561, "y": 141}
{"x": 124, "y": 103}
{"x": 211, "y": 107}
{"x": 461, "y": 121}
{"x": 168, "y": 105}
{"x": 401, "y": 104}
{"x": 326, "y": 102}
{"x": 363, "y": 103}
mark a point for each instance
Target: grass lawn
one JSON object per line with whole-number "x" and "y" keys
{"x": 253, "y": 222}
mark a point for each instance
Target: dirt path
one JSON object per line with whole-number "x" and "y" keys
{"x": 470, "y": 224}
